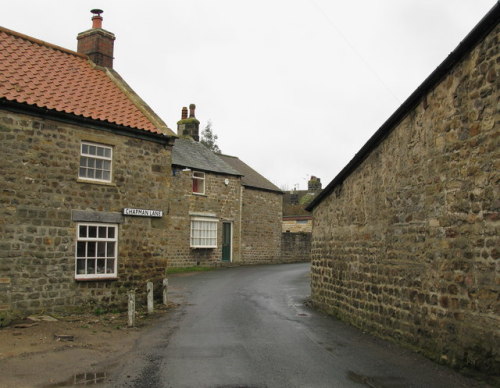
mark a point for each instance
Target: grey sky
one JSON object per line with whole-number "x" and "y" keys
{"x": 293, "y": 87}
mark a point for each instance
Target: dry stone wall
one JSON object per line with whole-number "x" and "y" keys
{"x": 41, "y": 196}
{"x": 408, "y": 245}
{"x": 295, "y": 247}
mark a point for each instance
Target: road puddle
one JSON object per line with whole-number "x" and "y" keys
{"x": 88, "y": 378}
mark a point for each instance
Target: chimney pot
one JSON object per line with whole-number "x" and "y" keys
{"x": 96, "y": 42}
{"x": 97, "y": 18}
{"x": 96, "y": 21}
{"x": 184, "y": 114}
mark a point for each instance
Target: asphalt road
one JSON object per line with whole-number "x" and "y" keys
{"x": 250, "y": 327}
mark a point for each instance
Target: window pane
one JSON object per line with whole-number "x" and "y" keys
{"x": 110, "y": 266}
{"x": 110, "y": 249}
{"x": 106, "y": 175}
{"x": 90, "y": 174}
{"x": 107, "y": 152}
{"x": 83, "y": 172}
{"x": 92, "y": 149}
{"x": 80, "y": 249}
{"x": 111, "y": 232}
{"x": 99, "y": 163}
{"x": 91, "y": 249}
{"x": 92, "y": 231}
{"x": 82, "y": 231}
{"x": 102, "y": 231}
{"x": 91, "y": 266}
{"x": 101, "y": 249}
{"x": 98, "y": 174}
{"x": 80, "y": 266}
{"x": 85, "y": 149}
{"x": 101, "y": 265}
{"x": 100, "y": 151}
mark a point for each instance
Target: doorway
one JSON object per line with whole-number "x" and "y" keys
{"x": 227, "y": 237}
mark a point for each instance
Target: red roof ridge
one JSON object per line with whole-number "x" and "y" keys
{"x": 41, "y": 42}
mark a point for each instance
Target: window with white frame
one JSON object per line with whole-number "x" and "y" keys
{"x": 95, "y": 162}
{"x": 198, "y": 182}
{"x": 96, "y": 251}
{"x": 203, "y": 232}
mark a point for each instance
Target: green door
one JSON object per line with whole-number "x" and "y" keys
{"x": 226, "y": 241}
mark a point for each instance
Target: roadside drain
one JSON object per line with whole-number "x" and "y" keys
{"x": 88, "y": 378}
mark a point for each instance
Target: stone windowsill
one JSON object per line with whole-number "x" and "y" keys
{"x": 80, "y": 180}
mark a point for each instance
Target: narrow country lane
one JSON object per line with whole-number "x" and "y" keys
{"x": 249, "y": 327}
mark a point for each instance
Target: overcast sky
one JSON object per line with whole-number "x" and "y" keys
{"x": 294, "y": 88}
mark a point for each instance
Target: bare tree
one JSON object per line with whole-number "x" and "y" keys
{"x": 209, "y": 138}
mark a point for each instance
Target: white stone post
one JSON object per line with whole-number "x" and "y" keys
{"x": 149, "y": 288}
{"x": 131, "y": 308}
{"x": 165, "y": 292}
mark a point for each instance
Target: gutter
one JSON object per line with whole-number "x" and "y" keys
{"x": 69, "y": 118}
{"x": 483, "y": 28}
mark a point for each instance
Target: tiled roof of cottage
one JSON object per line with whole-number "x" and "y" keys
{"x": 192, "y": 154}
{"x": 251, "y": 178}
{"x": 43, "y": 75}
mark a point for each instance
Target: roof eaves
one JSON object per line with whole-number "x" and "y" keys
{"x": 207, "y": 170}
{"x": 87, "y": 121}
{"x": 487, "y": 23}
{"x": 263, "y": 188}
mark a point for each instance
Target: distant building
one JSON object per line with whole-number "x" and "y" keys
{"x": 295, "y": 216}
{"x": 221, "y": 210}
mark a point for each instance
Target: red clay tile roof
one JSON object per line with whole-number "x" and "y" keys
{"x": 47, "y": 76}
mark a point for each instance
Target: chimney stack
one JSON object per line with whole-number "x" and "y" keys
{"x": 96, "y": 42}
{"x": 314, "y": 184}
{"x": 189, "y": 126}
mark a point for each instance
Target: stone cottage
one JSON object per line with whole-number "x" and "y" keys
{"x": 86, "y": 172}
{"x": 405, "y": 237}
{"x": 221, "y": 210}
{"x": 261, "y": 212}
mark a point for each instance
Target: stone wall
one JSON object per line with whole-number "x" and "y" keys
{"x": 295, "y": 247}
{"x": 293, "y": 225}
{"x": 261, "y": 226}
{"x": 40, "y": 192}
{"x": 220, "y": 200}
{"x": 407, "y": 247}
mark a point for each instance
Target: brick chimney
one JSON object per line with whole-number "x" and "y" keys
{"x": 189, "y": 126}
{"x": 96, "y": 42}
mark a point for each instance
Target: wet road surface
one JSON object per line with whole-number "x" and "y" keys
{"x": 251, "y": 327}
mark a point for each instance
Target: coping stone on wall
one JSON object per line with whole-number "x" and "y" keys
{"x": 93, "y": 216}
